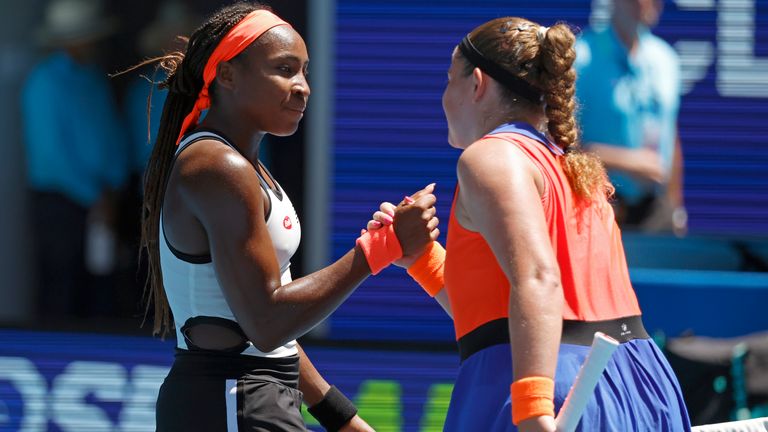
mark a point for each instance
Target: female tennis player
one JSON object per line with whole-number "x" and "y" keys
{"x": 220, "y": 232}
{"x": 534, "y": 263}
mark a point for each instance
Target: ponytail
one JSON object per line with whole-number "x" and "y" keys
{"x": 585, "y": 172}
{"x": 184, "y": 82}
{"x": 543, "y": 57}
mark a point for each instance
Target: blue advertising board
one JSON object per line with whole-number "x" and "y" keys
{"x": 71, "y": 382}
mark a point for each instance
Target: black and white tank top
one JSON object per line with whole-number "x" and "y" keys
{"x": 190, "y": 281}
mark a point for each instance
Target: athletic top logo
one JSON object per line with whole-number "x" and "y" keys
{"x": 287, "y": 223}
{"x": 625, "y": 331}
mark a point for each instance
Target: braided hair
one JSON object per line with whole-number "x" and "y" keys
{"x": 543, "y": 57}
{"x": 184, "y": 82}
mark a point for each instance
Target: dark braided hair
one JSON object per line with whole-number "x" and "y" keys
{"x": 544, "y": 58}
{"x": 184, "y": 82}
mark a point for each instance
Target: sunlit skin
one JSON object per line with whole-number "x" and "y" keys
{"x": 274, "y": 72}
{"x": 262, "y": 90}
{"x": 455, "y": 102}
{"x": 473, "y": 105}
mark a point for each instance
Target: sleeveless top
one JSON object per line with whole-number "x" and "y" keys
{"x": 586, "y": 242}
{"x": 190, "y": 281}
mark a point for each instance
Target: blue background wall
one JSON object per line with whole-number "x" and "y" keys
{"x": 390, "y": 134}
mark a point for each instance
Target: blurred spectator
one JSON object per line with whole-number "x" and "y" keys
{"x": 173, "y": 20}
{"x": 629, "y": 89}
{"x": 76, "y": 158}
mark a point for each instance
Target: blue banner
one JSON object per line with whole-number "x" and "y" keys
{"x": 82, "y": 382}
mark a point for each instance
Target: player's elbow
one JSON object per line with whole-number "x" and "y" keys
{"x": 548, "y": 279}
{"x": 266, "y": 333}
{"x": 542, "y": 290}
{"x": 267, "y": 345}
{"x": 268, "y": 342}
{"x": 550, "y": 285}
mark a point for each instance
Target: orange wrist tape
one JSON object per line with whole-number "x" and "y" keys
{"x": 381, "y": 247}
{"x": 532, "y": 397}
{"x": 428, "y": 269}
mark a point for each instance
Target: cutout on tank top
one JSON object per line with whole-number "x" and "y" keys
{"x": 214, "y": 334}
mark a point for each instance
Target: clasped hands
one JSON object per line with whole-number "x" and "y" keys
{"x": 415, "y": 223}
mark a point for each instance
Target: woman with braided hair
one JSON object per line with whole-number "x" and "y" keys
{"x": 534, "y": 261}
{"x": 219, "y": 233}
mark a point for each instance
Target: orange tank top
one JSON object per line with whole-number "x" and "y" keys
{"x": 586, "y": 241}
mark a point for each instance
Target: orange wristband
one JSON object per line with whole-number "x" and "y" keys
{"x": 428, "y": 269}
{"x": 532, "y": 397}
{"x": 381, "y": 247}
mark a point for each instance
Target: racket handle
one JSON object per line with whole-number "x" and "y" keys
{"x": 584, "y": 386}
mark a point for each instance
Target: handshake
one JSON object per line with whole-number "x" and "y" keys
{"x": 405, "y": 235}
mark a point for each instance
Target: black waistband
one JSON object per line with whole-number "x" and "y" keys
{"x": 282, "y": 370}
{"x": 496, "y": 332}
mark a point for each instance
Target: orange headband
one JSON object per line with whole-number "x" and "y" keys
{"x": 236, "y": 40}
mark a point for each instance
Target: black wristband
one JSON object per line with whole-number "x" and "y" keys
{"x": 334, "y": 411}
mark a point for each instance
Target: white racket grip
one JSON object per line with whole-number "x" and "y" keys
{"x": 584, "y": 386}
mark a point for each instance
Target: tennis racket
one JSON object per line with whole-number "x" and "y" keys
{"x": 584, "y": 386}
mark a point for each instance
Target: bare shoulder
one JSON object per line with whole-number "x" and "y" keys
{"x": 493, "y": 158}
{"x": 212, "y": 174}
{"x": 496, "y": 180}
{"x": 211, "y": 164}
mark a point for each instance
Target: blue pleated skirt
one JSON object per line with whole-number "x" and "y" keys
{"x": 637, "y": 392}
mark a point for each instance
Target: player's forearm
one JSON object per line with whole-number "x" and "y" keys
{"x": 535, "y": 326}
{"x": 296, "y": 307}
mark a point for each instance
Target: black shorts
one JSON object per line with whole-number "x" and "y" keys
{"x": 215, "y": 392}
